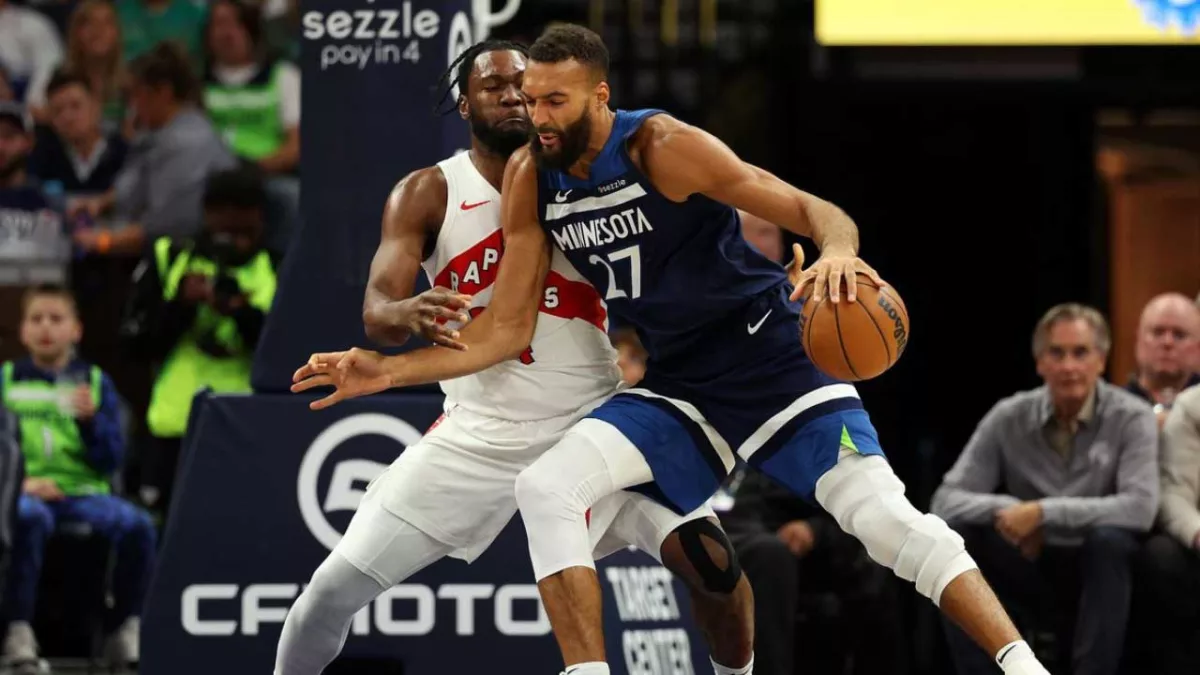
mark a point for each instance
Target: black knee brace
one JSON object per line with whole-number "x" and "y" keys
{"x": 715, "y": 579}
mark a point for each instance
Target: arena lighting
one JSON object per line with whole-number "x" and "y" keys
{"x": 1007, "y": 22}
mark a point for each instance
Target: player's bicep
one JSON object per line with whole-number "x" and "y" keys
{"x": 696, "y": 162}
{"x": 406, "y": 224}
{"x": 526, "y": 260}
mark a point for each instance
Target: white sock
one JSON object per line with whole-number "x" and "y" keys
{"x": 589, "y": 668}
{"x": 1016, "y": 658}
{"x": 747, "y": 669}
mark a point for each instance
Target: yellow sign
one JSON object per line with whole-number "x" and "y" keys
{"x": 1007, "y": 22}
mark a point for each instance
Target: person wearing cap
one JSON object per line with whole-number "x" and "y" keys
{"x": 34, "y": 247}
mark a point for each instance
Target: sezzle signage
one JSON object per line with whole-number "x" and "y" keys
{"x": 382, "y": 35}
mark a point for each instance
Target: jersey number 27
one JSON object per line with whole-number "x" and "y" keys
{"x": 633, "y": 255}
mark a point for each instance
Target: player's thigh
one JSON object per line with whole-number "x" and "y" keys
{"x": 677, "y": 453}
{"x": 452, "y": 484}
{"x": 591, "y": 462}
{"x": 458, "y": 483}
{"x": 800, "y": 460}
{"x": 386, "y": 547}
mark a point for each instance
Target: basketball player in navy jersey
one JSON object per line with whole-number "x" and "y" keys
{"x": 644, "y": 206}
{"x": 400, "y": 527}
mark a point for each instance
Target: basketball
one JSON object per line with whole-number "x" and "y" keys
{"x": 855, "y": 340}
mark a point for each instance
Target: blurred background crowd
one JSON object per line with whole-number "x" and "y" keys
{"x": 1049, "y": 408}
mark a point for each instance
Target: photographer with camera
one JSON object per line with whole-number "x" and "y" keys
{"x": 197, "y": 312}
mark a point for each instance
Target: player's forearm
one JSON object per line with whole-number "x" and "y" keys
{"x": 488, "y": 343}
{"x": 386, "y": 322}
{"x": 832, "y": 229}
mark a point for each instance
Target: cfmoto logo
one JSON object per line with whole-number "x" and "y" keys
{"x": 342, "y": 494}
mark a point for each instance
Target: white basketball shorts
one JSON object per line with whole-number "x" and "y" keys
{"x": 457, "y": 486}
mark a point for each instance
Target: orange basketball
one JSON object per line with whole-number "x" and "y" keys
{"x": 855, "y": 340}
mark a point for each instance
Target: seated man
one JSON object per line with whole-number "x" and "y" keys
{"x": 1077, "y": 462}
{"x": 67, "y": 416}
{"x": 790, "y": 549}
{"x": 1168, "y": 351}
{"x": 1171, "y": 559}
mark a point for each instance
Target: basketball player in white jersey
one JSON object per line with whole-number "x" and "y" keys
{"x": 453, "y": 492}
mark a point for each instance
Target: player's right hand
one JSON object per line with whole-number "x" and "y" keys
{"x": 429, "y": 314}
{"x": 353, "y": 373}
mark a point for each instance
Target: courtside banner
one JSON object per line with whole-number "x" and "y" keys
{"x": 1007, "y": 22}
{"x": 369, "y": 69}
{"x": 266, "y": 489}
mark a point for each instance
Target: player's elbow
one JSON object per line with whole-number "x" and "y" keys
{"x": 382, "y": 332}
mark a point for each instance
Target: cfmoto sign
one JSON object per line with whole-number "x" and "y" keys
{"x": 342, "y": 495}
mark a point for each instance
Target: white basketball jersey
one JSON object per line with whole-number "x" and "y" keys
{"x": 570, "y": 362}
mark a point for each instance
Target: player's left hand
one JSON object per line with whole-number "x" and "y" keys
{"x": 353, "y": 373}
{"x": 828, "y": 272}
{"x": 1015, "y": 523}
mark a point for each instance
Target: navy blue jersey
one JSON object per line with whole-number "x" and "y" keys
{"x": 670, "y": 269}
{"x": 727, "y": 379}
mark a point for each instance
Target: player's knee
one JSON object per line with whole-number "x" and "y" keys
{"x": 540, "y": 492}
{"x": 324, "y": 592}
{"x": 699, "y": 552}
{"x": 868, "y": 501}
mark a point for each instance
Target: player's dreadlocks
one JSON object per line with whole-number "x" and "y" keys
{"x": 460, "y": 69}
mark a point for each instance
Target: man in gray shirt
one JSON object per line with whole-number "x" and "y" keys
{"x": 159, "y": 190}
{"x": 1052, "y": 490}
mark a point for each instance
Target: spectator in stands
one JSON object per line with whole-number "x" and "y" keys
{"x": 1168, "y": 351}
{"x": 94, "y": 54}
{"x": 34, "y": 246}
{"x": 29, "y": 45}
{"x": 794, "y": 554}
{"x": 79, "y": 156}
{"x": 69, "y": 417}
{"x": 1170, "y": 561}
{"x": 145, "y": 24}
{"x": 253, "y": 99}
{"x": 158, "y": 192}
{"x": 198, "y": 310}
{"x": 1077, "y": 459}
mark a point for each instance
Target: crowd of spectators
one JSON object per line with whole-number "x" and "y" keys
{"x": 149, "y": 185}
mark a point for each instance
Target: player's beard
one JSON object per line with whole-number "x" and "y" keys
{"x": 502, "y": 141}
{"x": 572, "y": 143}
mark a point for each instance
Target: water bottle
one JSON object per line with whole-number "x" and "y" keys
{"x": 65, "y": 386}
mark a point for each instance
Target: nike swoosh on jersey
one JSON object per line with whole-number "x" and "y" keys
{"x": 754, "y": 329}
{"x": 560, "y": 197}
{"x": 467, "y": 207}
